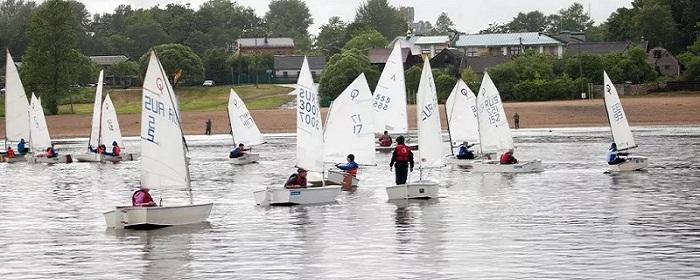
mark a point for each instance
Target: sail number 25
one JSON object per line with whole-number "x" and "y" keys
{"x": 309, "y": 113}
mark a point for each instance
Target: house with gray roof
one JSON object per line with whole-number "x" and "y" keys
{"x": 108, "y": 60}
{"x": 264, "y": 45}
{"x": 423, "y": 45}
{"x": 287, "y": 67}
{"x": 508, "y": 44}
{"x": 600, "y": 48}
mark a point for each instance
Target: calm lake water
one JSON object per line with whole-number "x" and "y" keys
{"x": 572, "y": 221}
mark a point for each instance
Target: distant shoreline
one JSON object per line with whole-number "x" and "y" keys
{"x": 641, "y": 111}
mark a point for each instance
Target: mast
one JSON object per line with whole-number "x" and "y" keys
{"x": 449, "y": 133}
{"x": 233, "y": 137}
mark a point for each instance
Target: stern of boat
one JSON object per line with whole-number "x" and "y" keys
{"x": 417, "y": 190}
{"x": 632, "y": 163}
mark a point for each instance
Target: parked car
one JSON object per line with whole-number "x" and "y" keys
{"x": 2, "y": 91}
{"x": 208, "y": 83}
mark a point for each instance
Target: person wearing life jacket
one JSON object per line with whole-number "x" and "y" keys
{"x": 403, "y": 159}
{"x": 116, "y": 151}
{"x": 613, "y": 155}
{"x": 508, "y": 158}
{"x": 141, "y": 198}
{"x": 350, "y": 167}
{"x": 22, "y": 147}
{"x": 101, "y": 149}
{"x": 238, "y": 152}
{"x": 464, "y": 152}
{"x": 297, "y": 180}
{"x": 385, "y": 139}
{"x": 10, "y": 152}
{"x": 51, "y": 153}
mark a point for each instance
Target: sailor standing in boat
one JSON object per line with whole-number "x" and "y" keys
{"x": 403, "y": 158}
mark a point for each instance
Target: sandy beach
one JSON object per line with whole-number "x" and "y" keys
{"x": 665, "y": 110}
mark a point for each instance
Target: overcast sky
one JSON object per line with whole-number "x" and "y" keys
{"x": 468, "y": 15}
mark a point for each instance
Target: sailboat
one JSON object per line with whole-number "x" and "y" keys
{"x": 105, "y": 129}
{"x": 39, "y": 139}
{"x": 494, "y": 133}
{"x": 16, "y": 109}
{"x": 621, "y": 132}
{"x": 462, "y": 120}
{"x": 429, "y": 139}
{"x": 350, "y": 129}
{"x": 309, "y": 150}
{"x": 163, "y": 159}
{"x": 243, "y": 128}
{"x": 390, "y": 99}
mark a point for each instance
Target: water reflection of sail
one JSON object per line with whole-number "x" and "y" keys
{"x": 166, "y": 251}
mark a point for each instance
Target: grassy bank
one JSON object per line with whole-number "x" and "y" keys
{"x": 191, "y": 99}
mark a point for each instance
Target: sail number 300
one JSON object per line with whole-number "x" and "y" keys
{"x": 308, "y": 111}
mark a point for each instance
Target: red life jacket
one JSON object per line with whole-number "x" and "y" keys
{"x": 116, "y": 151}
{"x": 100, "y": 150}
{"x": 505, "y": 158}
{"x": 146, "y": 199}
{"x": 385, "y": 141}
{"x": 402, "y": 152}
{"x": 352, "y": 172}
{"x": 10, "y": 153}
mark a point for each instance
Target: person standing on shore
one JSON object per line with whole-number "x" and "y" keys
{"x": 403, "y": 158}
{"x": 207, "y": 131}
{"x": 516, "y": 120}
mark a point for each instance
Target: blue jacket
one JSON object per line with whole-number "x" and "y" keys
{"x": 348, "y": 166}
{"x": 235, "y": 153}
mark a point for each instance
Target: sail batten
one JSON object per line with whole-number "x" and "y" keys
{"x": 622, "y": 134}
{"x": 16, "y": 104}
{"x": 462, "y": 114}
{"x": 428, "y": 118}
{"x": 390, "y": 96}
{"x": 309, "y": 127}
{"x": 243, "y": 127}
{"x": 494, "y": 132}
{"x": 350, "y": 125}
{"x": 163, "y": 162}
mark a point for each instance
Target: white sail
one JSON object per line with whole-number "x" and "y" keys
{"x": 243, "y": 127}
{"x": 96, "y": 114}
{"x": 462, "y": 114}
{"x": 493, "y": 125}
{"x": 39, "y": 138}
{"x": 390, "y": 96}
{"x": 428, "y": 117}
{"x": 622, "y": 134}
{"x": 309, "y": 126}
{"x": 16, "y": 104}
{"x": 350, "y": 125}
{"x": 163, "y": 162}
{"x": 110, "y": 131}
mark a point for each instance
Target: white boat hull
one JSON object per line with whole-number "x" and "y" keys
{"x": 301, "y": 196}
{"x": 119, "y": 158}
{"x": 53, "y": 160}
{"x": 632, "y": 163}
{"x": 392, "y": 147}
{"x": 493, "y": 166}
{"x": 94, "y": 157}
{"x": 245, "y": 159}
{"x": 417, "y": 190}
{"x": 464, "y": 163}
{"x": 154, "y": 217}
{"x": 338, "y": 177}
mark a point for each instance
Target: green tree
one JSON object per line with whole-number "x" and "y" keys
{"x": 216, "y": 67}
{"x": 123, "y": 72}
{"x": 412, "y": 78}
{"x": 50, "y": 61}
{"x": 290, "y": 18}
{"x": 635, "y": 67}
{"x": 444, "y": 84}
{"x": 533, "y": 21}
{"x": 342, "y": 69}
{"x": 14, "y": 23}
{"x": 655, "y": 21}
{"x": 331, "y": 38}
{"x": 495, "y": 28}
{"x": 366, "y": 39}
{"x": 381, "y": 16}
{"x": 443, "y": 24}
{"x": 621, "y": 26}
{"x": 472, "y": 79}
{"x": 573, "y": 18}
{"x": 225, "y": 21}
{"x": 175, "y": 57}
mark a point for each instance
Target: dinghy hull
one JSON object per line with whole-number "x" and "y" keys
{"x": 337, "y": 177}
{"x": 280, "y": 196}
{"x": 493, "y": 166}
{"x": 128, "y": 217}
{"x": 632, "y": 163}
{"x": 53, "y": 160}
{"x": 14, "y": 159}
{"x": 417, "y": 190}
{"x": 464, "y": 163}
{"x": 245, "y": 159}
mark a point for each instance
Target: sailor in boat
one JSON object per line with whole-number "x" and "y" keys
{"x": 508, "y": 158}
{"x": 403, "y": 159}
{"x": 22, "y": 147}
{"x": 50, "y": 153}
{"x": 10, "y": 152}
{"x": 141, "y": 198}
{"x": 385, "y": 139}
{"x": 116, "y": 151}
{"x": 613, "y": 155}
{"x": 297, "y": 180}
{"x": 101, "y": 149}
{"x": 465, "y": 152}
{"x": 238, "y": 151}
{"x": 350, "y": 167}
